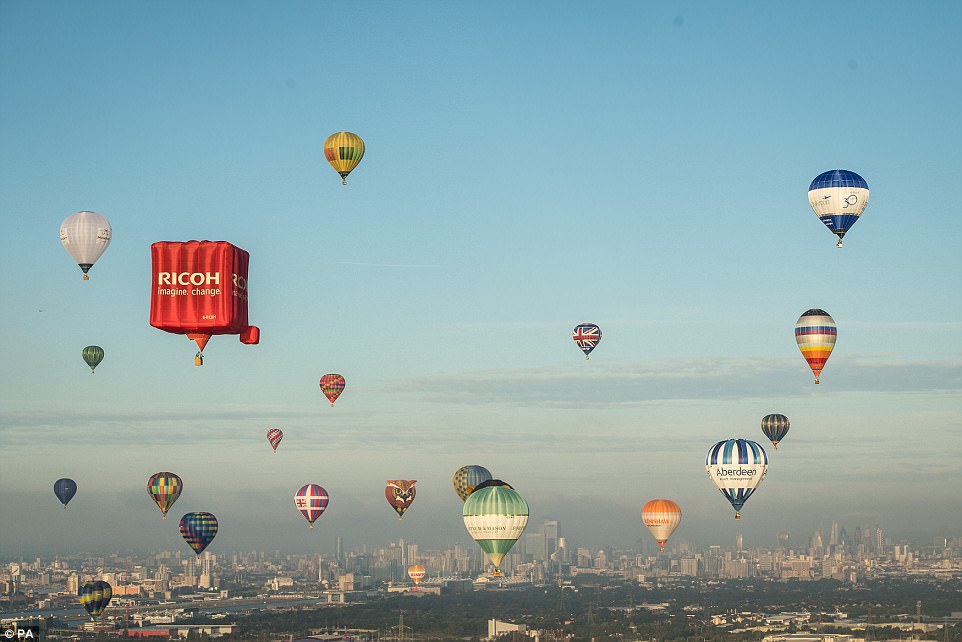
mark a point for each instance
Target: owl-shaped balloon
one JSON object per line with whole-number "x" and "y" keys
{"x": 400, "y": 494}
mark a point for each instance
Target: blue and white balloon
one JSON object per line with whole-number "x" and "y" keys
{"x": 838, "y": 198}
{"x": 737, "y": 467}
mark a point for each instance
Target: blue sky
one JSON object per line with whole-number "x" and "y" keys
{"x": 642, "y": 166}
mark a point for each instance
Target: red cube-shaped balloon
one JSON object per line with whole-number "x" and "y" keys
{"x": 200, "y": 287}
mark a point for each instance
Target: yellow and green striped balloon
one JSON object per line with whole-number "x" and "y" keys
{"x": 93, "y": 355}
{"x": 344, "y": 150}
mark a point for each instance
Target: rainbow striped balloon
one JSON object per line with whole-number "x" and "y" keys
{"x": 815, "y": 334}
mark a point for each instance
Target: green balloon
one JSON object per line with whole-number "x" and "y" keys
{"x": 93, "y": 355}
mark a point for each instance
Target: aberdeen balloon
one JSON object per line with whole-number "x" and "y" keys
{"x": 400, "y": 494}
{"x": 775, "y": 427}
{"x": 274, "y": 436}
{"x": 466, "y": 478}
{"x": 416, "y": 573}
{"x": 198, "y": 530}
{"x": 311, "y": 500}
{"x": 586, "y": 336}
{"x": 495, "y": 516}
{"x": 344, "y": 150}
{"x": 93, "y": 355}
{"x": 838, "y": 197}
{"x": 815, "y": 334}
{"x": 85, "y": 236}
{"x": 737, "y": 467}
{"x": 65, "y": 488}
{"x": 332, "y": 385}
{"x": 95, "y": 596}
{"x": 661, "y": 517}
{"x": 200, "y": 289}
{"x": 164, "y": 488}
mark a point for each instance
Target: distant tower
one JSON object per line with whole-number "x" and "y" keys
{"x": 879, "y": 540}
{"x": 833, "y": 538}
{"x": 739, "y": 543}
{"x": 339, "y": 554}
{"x": 783, "y": 539}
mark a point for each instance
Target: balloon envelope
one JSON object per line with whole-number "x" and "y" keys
{"x": 311, "y": 500}
{"x": 586, "y": 336}
{"x": 495, "y": 517}
{"x": 838, "y": 197}
{"x": 400, "y": 494}
{"x": 775, "y": 428}
{"x": 416, "y": 573}
{"x": 736, "y": 467}
{"x": 85, "y": 236}
{"x": 344, "y": 150}
{"x": 198, "y": 530}
{"x": 65, "y": 489}
{"x": 466, "y": 478}
{"x": 332, "y": 385}
{"x": 93, "y": 355}
{"x": 95, "y": 596}
{"x": 815, "y": 334}
{"x": 164, "y": 488}
{"x": 274, "y": 436}
{"x": 661, "y": 517}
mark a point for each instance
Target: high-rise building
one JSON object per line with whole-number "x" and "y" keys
{"x": 784, "y": 539}
{"x": 739, "y": 542}
{"x": 833, "y": 537}
{"x": 551, "y": 534}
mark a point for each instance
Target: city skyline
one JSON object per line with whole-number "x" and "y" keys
{"x": 642, "y": 167}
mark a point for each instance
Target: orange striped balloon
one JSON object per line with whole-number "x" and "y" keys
{"x": 661, "y": 517}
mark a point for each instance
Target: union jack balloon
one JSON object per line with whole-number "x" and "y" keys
{"x": 587, "y": 336}
{"x": 274, "y": 435}
{"x": 311, "y": 500}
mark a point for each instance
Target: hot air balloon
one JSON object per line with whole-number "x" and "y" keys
{"x": 65, "y": 489}
{"x": 85, "y": 235}
{"x": 661, "y": 517}
{"x": 164, "y": 488}
{"x": 198, "y": 530}
{"x": 93, "y": 355}
{"x": 838, "y": 197}
{"x": 815, "y": 334}
{"x": 495, "y": 516}
{"x": 400, "y": 494}
{"x": 332, "y": 385}
{"x": 344, "y": 151}
{"x": 737, "y": 467}
{"x": 274, "y": 436}
{"x": 467, "y": 477}
{"x": 95, "y": 596}
{"x": 199, "y": 289}
{"x": 416, "y": 573}
{"x": 312, "y": 501}
{"x": 775, "y": 428}
{"x": 587, "y": 336}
